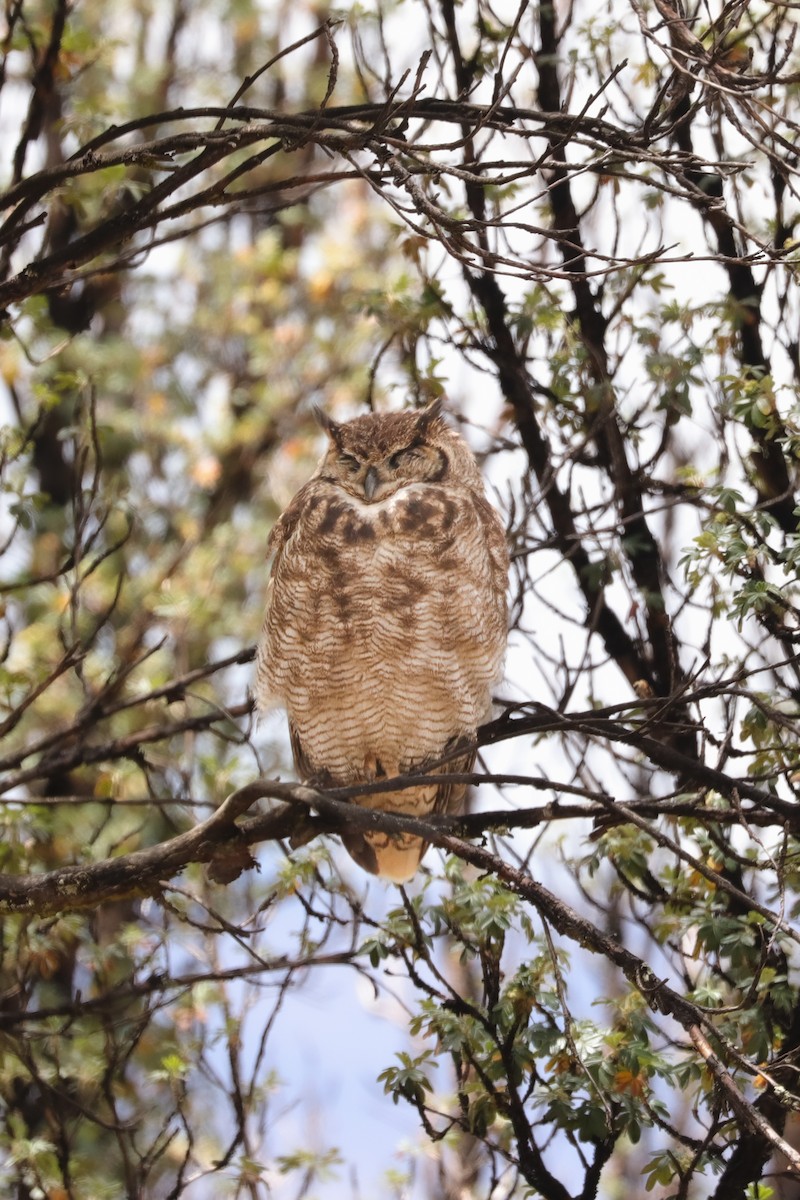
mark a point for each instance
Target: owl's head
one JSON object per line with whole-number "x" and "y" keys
{"x": 376, "y": 455}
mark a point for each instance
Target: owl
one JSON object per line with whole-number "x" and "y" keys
{"x": 386, "y": 619}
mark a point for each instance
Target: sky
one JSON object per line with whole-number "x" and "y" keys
{"x": 332, "y": 1038}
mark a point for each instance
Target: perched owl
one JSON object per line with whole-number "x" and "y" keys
{"x": 385, "y": 624}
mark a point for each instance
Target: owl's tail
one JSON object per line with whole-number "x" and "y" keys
{"x": 395, "y": 857}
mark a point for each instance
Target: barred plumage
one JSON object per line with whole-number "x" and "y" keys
{"x": 385, "y": 625}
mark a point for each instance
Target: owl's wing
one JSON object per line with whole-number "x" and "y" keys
{"x": 301, "y": 760}
{"x": 450, "y": 796}
{"x": 279, "y": 536}
{"x": 286, "y": 523}
{"x": 497, "y": 548}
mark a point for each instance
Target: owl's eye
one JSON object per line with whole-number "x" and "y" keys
{"x": 350, "y": 462}
{"x": 401, "y": 456}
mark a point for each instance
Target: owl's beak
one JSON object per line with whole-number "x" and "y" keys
{"x": 371, "y": 482}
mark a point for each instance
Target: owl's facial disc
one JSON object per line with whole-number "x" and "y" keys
{"x": 374, "y": 479}
{"x": 372, "y": 468}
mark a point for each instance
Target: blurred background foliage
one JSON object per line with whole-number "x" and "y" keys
{"x": 608, "y": 297}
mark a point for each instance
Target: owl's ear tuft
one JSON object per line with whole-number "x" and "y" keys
{"x": 333, "y": 430}
{"x": 429, "y": 414}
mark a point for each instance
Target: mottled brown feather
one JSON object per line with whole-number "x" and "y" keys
{"x": 385, "y": 624}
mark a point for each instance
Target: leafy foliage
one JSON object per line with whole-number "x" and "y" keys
{"x": 579, "y": 226}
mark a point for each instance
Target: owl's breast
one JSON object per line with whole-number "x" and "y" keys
{"x": 416, "y": 514}
{"x": 383, "y": 634}
{"x": 359, "y": 563}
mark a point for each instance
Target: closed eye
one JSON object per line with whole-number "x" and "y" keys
{"x": 350, "y": 462}
{"x": 401, "y": 455}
